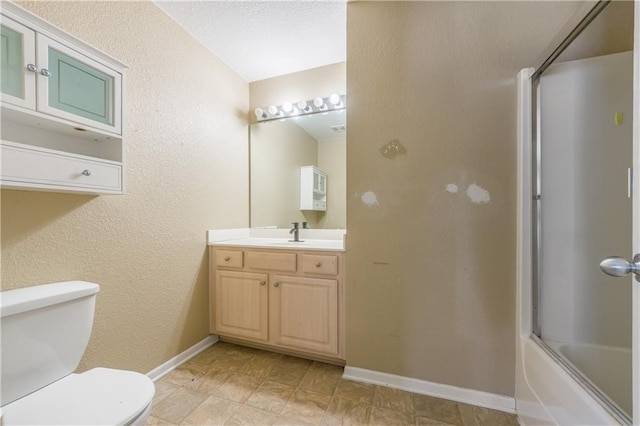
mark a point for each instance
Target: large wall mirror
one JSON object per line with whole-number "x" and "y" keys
{"x": 279, "y": 148}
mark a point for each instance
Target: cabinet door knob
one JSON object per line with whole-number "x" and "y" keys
{"x": 86, "y": 172}
{"x": 276, "y": 284}
{"x": 45, "y": 72}
{"x": 319, "y": 264}
{"x": 263, "y": 282}
{"x": 32, "y": 67}
{"x": 227, "y": 258}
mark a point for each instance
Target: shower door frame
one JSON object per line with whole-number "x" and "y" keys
{"x": 570, "y": 32}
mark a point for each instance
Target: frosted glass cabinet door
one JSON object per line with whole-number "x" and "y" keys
{"x": 75, "y": 87}
{"x": 18, "y": 52}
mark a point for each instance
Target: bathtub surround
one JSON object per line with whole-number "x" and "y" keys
{"x": 187, "y": 172}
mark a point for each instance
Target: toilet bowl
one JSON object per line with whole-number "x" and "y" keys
{"x": 45, "y": 330}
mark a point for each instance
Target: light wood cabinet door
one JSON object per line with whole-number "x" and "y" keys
{"x": 304, "y": 313}
{"x": 241, "y": 304}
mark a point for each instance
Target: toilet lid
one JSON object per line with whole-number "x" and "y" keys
{"x": 101, "y": 396}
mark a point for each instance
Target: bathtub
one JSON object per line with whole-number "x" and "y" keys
{"x": 608, "y": 369}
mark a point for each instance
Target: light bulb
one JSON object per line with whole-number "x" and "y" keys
{"x": 287, "y": 107}
{"x": 319, "y": 103}
{"x": 260, "y": 113}
{"x": 274, "y": 111}
{"x": 335, "y": 100}
{"x": 304, "y": 107}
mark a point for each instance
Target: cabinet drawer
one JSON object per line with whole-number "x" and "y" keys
{"x": 319, "y": 264}
{"x": 56, "y": 169}
{"x": 229, "y": 258}
{"x": 272, "y": 261}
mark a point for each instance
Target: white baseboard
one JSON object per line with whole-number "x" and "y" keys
{"x": 170, "y": 365}
{"x": 454, "y": 393}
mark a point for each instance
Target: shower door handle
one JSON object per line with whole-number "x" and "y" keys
{"x": 619, "y": 266}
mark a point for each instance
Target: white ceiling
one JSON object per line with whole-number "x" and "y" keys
{"x": 263, "y": 39}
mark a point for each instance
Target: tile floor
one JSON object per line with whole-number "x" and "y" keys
{"x": 233, "y": 385}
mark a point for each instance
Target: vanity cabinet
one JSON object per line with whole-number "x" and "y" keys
{"x": 62, "y": 99}
{"x": 313, "y": 189}
{"x": 281, "y": 299}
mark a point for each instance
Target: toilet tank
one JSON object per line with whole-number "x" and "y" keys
{"x": 45, "y": 330}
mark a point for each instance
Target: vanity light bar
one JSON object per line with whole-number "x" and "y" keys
{"x": 317, "y": 105}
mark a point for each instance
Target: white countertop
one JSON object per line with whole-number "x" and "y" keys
{"x": 243, "y": 238}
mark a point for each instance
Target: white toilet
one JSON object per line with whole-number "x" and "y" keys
{"x": 45, "y": 330}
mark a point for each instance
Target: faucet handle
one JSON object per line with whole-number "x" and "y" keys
{"x": 295, "y": 225}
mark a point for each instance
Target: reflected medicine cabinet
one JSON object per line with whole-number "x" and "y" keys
{"x": 61, "y": 110}
{"x": 313, "y": 189}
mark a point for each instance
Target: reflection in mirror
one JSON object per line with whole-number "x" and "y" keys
{"x": 279, "y": 149}
{"x": 585, "y": 117}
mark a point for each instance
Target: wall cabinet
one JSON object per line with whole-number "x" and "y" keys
{"x": 63, "y": 97}
{"x": 289, "y": 300}
{"x": 313, "y": 189}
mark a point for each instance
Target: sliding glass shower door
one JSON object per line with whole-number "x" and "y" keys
{"x": 584, "y": 214}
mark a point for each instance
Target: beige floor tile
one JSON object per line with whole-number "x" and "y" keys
{"x": 251, "y": 416}
{"x": 306, "y": 406}
{"x": 209, "y": 355}
{"x": 238, "y": 388}
{"x": 213, "y": 411}
{"x": 383, "y": 417}
{"x": 287, "y": 421}
{"x": 393, "y": 399}
{"x": 175, "y": 407}
{"x": 154, "y": 421}
{"x": 231, "y": 361}
{"x": 183, "y": 376}
{"x": 437, "y": 409}
{"x": 321, "y": 378}
{"x": 342, "y": 411}
{"x": 211, "y": 381}
{"x": 357, "y": 391}
{"x": 288, "y": 373}
{"x": 271, "y": 396}
{"x": 260, "y": 366}
{"x": 163, "y": 389}
{"x": 423, "y": 421}
{"x": 472, "y": 416}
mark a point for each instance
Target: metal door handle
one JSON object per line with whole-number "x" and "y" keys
{"x": 617, "y": 266}
{"x": 45, "y": 72}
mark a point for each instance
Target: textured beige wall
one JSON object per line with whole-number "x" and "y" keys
{"x": 278, "y": 149}
{"x": 430, "y": 277}
{"x": 332, "y": 159}
{"x": 186, "y": 170}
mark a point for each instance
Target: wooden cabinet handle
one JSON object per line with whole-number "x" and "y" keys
{"x": 276, "y": 284}
{"x": 227, "y": 258}
{"x": 319, "y": 264}
{"x": 263, "y": 282}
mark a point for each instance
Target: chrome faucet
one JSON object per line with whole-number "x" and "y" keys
{"x": 296, "y": 232}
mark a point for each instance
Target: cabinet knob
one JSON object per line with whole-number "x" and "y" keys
{"x": 45, "y": 72}
{"x": 276, "y": 284}
{"x": 227, "y": 258}
{"x": 32, "y": 67}
{"x": 319, "y": 264}
{"x": 263, "y": 282}
{"x": 86, "y": 172}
